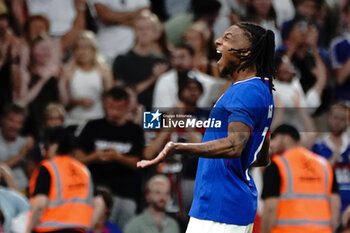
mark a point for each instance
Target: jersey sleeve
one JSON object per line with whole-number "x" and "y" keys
{"x": 241, "y": 105}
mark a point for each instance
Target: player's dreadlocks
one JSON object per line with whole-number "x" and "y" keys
{"x": 262, "y": 51}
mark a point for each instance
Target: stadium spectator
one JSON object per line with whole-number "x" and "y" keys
{"x": 287, "y": 81}
{"x": 335, "y": 146}
{"x": 305, "y": 9}
{"x": 103, "y": 225}
{"x": 13, "y": 147}
{"x": 13, "y": 205}
{"x": 40, "y": 84}
{"x": 37, "y": 26}
{"x": 146, "y": 61}
{"x": 198, "y": 35}
{"x": 54, "y": 115}
{"x": 309, "y": 61}
{"x": 64, "y": 16}
{"x": 292, "y": 105}
{"x": 154, "y": 218}
{"x": 300, "y": 192}
{"x": 339, "y": 55}
{"x": 318, "y": 12}
{"x": 166, "y": 90}
{"x": 111, "y": 147}
{"x": 84, "y": 80}
{"x": 115, "y": 19}
{"x": 53, "y": 18}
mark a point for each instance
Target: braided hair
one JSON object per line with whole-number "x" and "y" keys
{"x": 262, "y": 51}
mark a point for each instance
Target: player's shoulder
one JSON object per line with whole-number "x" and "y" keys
{"x": 249, "y": 89}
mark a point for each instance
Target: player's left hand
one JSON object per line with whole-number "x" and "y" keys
{"x": 167, "y": 151}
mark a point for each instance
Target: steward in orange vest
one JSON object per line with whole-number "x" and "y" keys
{"x": 306, "y": 186}
{"x": 298, "y": 187}
{"x": 61, "y": 189}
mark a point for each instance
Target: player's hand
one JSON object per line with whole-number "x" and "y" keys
{"x": 168, "y": 150}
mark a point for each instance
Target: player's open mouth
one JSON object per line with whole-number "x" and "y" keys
{"x": 218, "y": 55}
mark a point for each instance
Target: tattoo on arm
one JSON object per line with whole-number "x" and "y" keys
{"x": 243, "y": 139}
{"x": 237, "y": 140}
{"x": 229, "y": 147}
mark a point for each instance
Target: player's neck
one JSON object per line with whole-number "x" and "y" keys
{"x": 243, "y": 75}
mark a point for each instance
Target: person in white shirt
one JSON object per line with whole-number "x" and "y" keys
{"x": 60, "y": 13}
{"x": 85, "y": 78}
{"x": 115, "y": 35}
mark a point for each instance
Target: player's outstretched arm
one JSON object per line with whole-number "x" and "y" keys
{"x": 229, "y": 147}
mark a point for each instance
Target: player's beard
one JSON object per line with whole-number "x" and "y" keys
{"x": 229, "y": 69}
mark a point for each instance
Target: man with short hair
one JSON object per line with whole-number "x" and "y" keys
{"x": 300, "y": 192}
{"x": 13, "y": 147}
{"x": 154, "y": 218}
{"x": 111, "y": 147}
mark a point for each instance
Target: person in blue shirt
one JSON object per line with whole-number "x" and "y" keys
{"x": 225, "y": 196}
{"x": 335, "y": 146}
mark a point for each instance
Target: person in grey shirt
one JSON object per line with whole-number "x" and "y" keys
{"x": 154, "y": 218}
{"x": 14, "y": 147}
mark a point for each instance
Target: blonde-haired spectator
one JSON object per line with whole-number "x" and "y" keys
{"x": 84, "y": 79}
{"x": 54, "y": 115}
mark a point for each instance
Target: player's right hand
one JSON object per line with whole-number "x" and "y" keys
{"x": 167, "y": 151}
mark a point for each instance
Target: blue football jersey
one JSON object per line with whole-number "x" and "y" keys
{"x": 224, "y": 190}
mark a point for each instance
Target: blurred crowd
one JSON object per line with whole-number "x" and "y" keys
{"x": 94, "y": 66}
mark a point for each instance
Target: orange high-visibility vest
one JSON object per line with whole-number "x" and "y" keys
{"x": 70, "y": 196}
{"x": 306, "y": 186}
